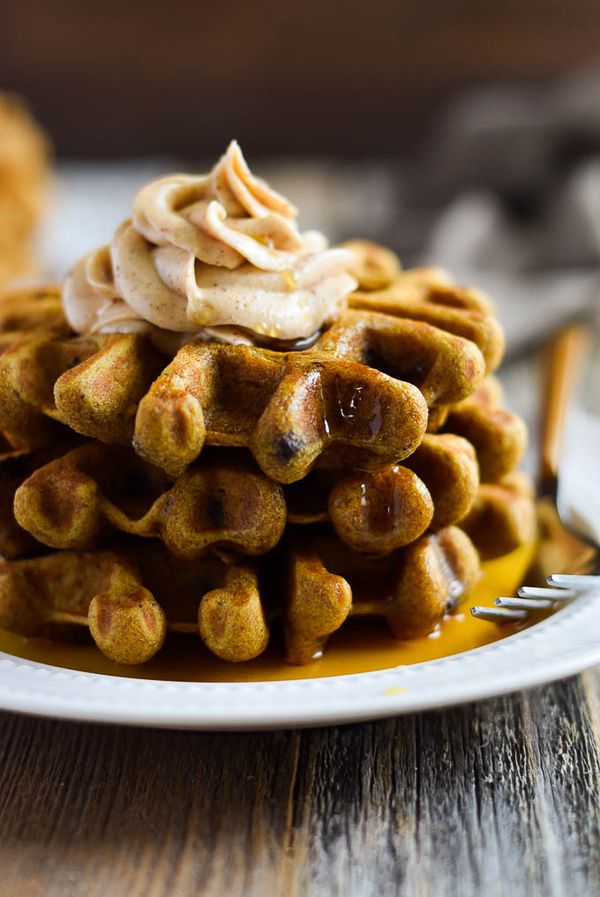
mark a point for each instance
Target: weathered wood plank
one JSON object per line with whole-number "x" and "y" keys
{"x": 86, "y": 809}
{"x": 499, "y": 798}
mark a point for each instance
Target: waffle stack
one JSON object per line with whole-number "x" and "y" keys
{"x": 238, "y": 491}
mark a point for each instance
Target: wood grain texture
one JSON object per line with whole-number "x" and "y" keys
{"x": 498, "y": 798}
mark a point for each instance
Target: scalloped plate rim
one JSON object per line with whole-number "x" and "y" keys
{"x": 562, "y": 645}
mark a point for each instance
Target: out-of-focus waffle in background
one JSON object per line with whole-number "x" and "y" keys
{"x": 24, "y": 176}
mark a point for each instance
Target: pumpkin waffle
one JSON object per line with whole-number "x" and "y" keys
{"x": 104, "y": 378}
{"x": 291, "y": 409}
{"x": 503, "y": 516}
{"x": 224, "y": 503}
{"x": 78, "y": 498}
{"x": 359, "y": 392}
{"x": 414, "y": 587}
{"x": 374, "y": 266}
{"x": 236, "y": 481}
{"x": 7, "y": 449}
{"x": 425, "y": 294}
{"x": 498, "y": 436}
{"x": 376, "y": 512}
{"x": 130, "y": 596}
{"x": 355, "y": 397}
{"x": 347, "y": 401}
{"x": 14, "y": 541}
{"x": 27, "y": 309}
{"x": 16, "y": 465}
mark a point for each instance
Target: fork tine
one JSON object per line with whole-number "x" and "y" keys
{"x": 566, "y": 580}
{"x": 553, "y": 594}
{"x": 498, "y": 614}
{"x": 524, "y": 603}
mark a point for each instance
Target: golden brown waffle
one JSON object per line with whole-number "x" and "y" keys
{"x": 26, "y": 309}
{"x": 503, "y": 516}
{"x": 378, "y": 511}
{"x": 50, "y": 597}
{"x": 350, "y": 398}
{"x": 346, "y": 402}
{"x": 384, "y": 518}
{"x": 223, "y": 503}
{"x": 129, "y": 597}
{"x": 498, "y": 436}
{"x": 24, "y": 312}
{"x": 411, "y": 589}
{"x": 128, "y": 612}
{"x": 97, "y": 381}
{"x": 375, "y": 266}
{"x": 437, "y": 486}
{"x": 425, "y": 294}
{"x": 290, "y": 410}
{"x": 288, "y": 407}
{"x": 16, "y": 465}
{"x": 14, "y": 541}
{"x": 7, "y": 449}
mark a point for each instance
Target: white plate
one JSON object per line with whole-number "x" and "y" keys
{"x": 564, "y": 644}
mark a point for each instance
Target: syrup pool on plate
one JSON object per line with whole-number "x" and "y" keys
{"x": 361, "y": 646}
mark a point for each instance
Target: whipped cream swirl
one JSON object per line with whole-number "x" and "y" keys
{"x": 217, "y": 255}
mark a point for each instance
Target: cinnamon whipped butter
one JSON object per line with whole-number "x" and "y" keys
{"x": 218, "y": 255}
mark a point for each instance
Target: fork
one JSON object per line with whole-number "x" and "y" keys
{"x": 565, "y": 357}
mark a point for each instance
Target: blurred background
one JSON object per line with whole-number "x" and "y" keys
{"x": 467, "y": 133}
{"x": 345, "y": 77}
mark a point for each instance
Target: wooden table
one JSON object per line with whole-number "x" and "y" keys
{"x": 499, "y": 798}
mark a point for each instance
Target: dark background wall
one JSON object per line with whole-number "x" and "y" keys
{"x": 346, "y": 76}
